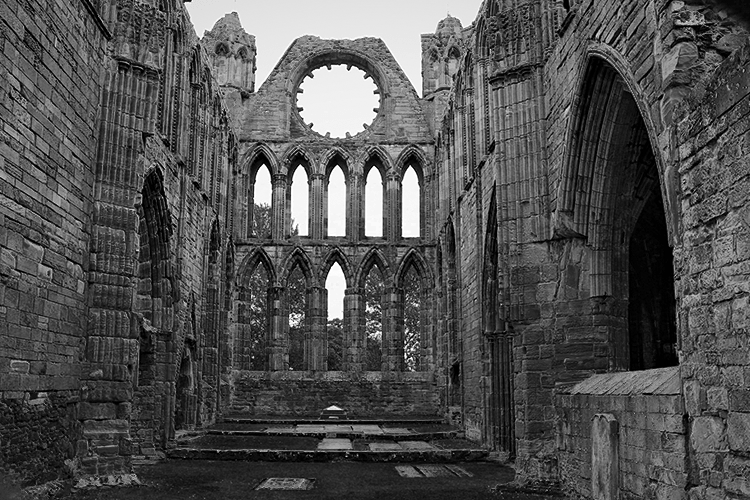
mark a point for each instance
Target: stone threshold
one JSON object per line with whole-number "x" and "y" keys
{"x": 317, "y": 420}
{"x": 438, "y": 456}
{"x": 413, "y": 436}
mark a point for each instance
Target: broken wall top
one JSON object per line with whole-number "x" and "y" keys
{"x": 271, "y": 114}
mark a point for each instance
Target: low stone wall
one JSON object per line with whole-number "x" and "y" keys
{"x": 307, "y": 393}
{"x": 38, "y": 432}
{"x": 651, "y": 448}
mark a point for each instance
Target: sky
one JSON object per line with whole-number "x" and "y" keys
{"x": 276, "y": 24}
{"x": 336, "y": 101}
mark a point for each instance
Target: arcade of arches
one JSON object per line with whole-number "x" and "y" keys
{"x": 547, "y": 248}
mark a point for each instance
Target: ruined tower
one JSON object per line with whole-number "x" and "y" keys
{"x": 232, "y": 53}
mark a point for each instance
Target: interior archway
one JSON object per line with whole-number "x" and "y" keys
{"x": 612, "y": 197}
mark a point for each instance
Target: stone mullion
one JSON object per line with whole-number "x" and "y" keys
{"x": 316, "y": 206}
{"x": 278, "y": 350}
{"x": 354, "y": 331}
{"x": 279, "y": 222}
{"x": 424, "y": 210}
{"x": 355, "y": 222}
{"x": 316, "y": 352}
{"x": 249, "y": 207}
{"x": 425, "y": 338}
{"x": 392, "y": 209}
{"x": 393, "y": 330}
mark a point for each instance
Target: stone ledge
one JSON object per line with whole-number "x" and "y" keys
{"x": 660, "y": 382}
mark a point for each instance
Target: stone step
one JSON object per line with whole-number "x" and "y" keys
{"x": 391, "y": 431}
{"x": 305, "y": 449}
{"x": 406, "y": 456}
{"x": 316, "y": 419}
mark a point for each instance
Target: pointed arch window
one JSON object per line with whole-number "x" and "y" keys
{"x": 451, "y": 68}
{"x": 296, "y": 290}
{"x": 299, "y": 198}
{"x": 337, "y": 202}
{"x": 335, "y": 288}
{"x": 373, "y": 298}
{"x": 411, "y": 202}
{"x": 252, "y": 322}
{"x": 374, "y": 203}
{"x": 260, "y": 193}
{"x": 413, "y": 320}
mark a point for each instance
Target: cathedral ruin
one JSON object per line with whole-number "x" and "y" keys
{"x": 579, "y": 277}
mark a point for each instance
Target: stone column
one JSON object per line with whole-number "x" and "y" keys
{"x": 316, "y": 319}
{"x": 279, "y": 220}
{"x": 355, "y": 222}
{"x": 278, "y": 344}
{"x": 355, "y": 333}
{"x": 250, "y": 210}
{"x": 317, "y": 207}
{"x": 392, "y": 209}
{"x": 393, "y": 330}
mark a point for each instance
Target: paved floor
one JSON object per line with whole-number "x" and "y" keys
{"x": 198, "y": 479}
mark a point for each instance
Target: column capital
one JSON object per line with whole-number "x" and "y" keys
{"x": 279, "y": 180}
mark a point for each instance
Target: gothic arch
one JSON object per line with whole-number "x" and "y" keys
{"x": 332, "y": 154}
{"x": 255, "y": 157}
{"x": 481, "y": 45}
{"x": 195, "y": 65}
{"x": 612, "y": 195}
{"x": 568, "y": 217}
{"x": 298, "y": 257}
{"x": 374, "y": 257}
{"x": 414, "y": 153}
{"x": 156, "y": 288}
{"x": 366, "y": 161}
{"x": 298, "y": 156}
{"x": 248, "y": 265}
{"x": 492, "y": 8}
{"x": 417, "y": 260}
{"x": 336, "y": 256}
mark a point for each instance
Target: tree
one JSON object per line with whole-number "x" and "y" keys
{"x": 412, "y": 321}
{"x": 374, "y": 288}
{"x": 335, "y": 344}
{"x": 296, "y": 296}
{"x": 251, "y": 345}
{"x": 252, "y": 319}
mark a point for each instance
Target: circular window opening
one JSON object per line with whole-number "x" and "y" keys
{"x": 338, "y": 101}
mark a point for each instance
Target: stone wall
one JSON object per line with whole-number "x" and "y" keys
{"x": 50, "y": 80}
{"x": 568, "y": 224}
{"x": 115, "y": 180}
{"x": 652, "y": 436}
{"x": 714, "y": 268}
{"x": 368, "y": 394}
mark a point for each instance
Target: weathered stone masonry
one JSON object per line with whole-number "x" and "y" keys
{"x": 613, "y": 140}
{"x": 584, "y": 184}
{"x": 116, "y": 165}
{"x": 273, "y": 134}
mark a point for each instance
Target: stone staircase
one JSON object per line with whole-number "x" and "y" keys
{"x": 316, "y": 439}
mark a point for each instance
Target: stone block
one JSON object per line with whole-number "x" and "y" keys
{"x": 97, "y": 411}
{"x": 738, "y": 430}
{"x": 718, "y": 399}
{"x": 708, "y": 435}
{"x": 93, "y": 427}
{"x": 695, "y": 398}
{"x": 19, "y": 366}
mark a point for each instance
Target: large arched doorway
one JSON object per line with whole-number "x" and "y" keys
{"x": 611, "y": 196}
